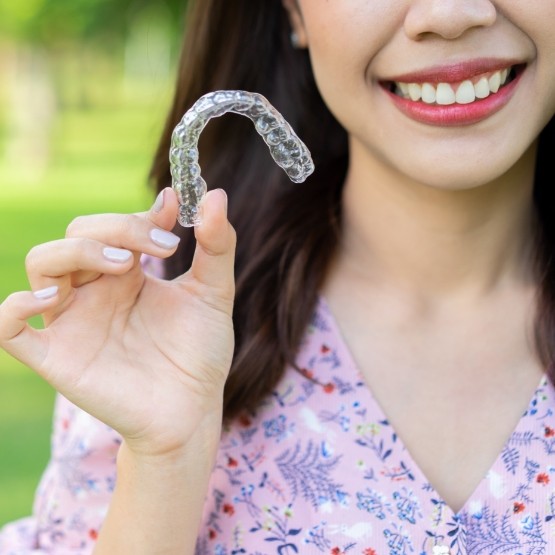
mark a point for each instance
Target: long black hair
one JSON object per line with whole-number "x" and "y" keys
{"x": 287, "y": 234}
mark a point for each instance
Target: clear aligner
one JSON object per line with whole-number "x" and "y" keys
{"x": 288, "y": 151}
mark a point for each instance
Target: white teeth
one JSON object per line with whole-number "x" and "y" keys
{"x": 465, "y": 93}
{"x": 415, "y": 91}
{"x": 445, "y": 94}
{"x": 495, "y": 82}
{"x": 428, "y": 93}
{"x": 481, "y": 88}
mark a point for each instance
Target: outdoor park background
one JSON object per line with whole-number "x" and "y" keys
{"x": 84, "y": 87}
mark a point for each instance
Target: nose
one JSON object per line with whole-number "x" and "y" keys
{"x": 448, "y": 19}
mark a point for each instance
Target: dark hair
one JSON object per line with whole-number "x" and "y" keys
{"x": 287, "y": 233}
{"x": 544, "y": 200}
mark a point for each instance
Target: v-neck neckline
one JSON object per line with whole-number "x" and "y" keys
{"x": 349, "y": 360}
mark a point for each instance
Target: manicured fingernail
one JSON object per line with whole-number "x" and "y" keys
{"x": 47, "y": 293}
{"x": 159, "y": 202}
{"x": 164, "y": 239}
{"x": 116, "y": 255}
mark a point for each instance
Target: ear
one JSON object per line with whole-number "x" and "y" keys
{"x": 296, "y": 22}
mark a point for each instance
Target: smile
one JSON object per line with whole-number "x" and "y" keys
{"x": 465, "y": 92}
{"x": 461, "y": 94}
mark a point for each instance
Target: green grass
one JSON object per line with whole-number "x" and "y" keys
{"x": 99, "y": 163}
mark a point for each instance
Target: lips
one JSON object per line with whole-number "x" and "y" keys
{"x": 457, "y": 94}
{"x": 453, "y": 73}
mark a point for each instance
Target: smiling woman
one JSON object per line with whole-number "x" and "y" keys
{"x": 363, "y": 363}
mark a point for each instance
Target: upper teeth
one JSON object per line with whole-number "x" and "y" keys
{"x": 445, "y": 94}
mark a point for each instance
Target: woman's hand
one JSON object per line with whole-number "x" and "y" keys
{"x": 148, "y": 357}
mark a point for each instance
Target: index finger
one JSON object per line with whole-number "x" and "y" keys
{"x": 145, "y": 232}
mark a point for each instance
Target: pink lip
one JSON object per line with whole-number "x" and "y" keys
{"x": 454, "y": 73}
{"x": 456, "y": 114}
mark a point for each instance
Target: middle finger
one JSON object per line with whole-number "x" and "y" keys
{"x": 59, "y": 262}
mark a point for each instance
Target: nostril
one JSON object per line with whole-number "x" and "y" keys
{"x": 449, "y": 20}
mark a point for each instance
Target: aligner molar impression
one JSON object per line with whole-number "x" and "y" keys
{"x": 288, "y": 151}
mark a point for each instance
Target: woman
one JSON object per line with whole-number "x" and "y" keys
{"x": 425, "y": 231}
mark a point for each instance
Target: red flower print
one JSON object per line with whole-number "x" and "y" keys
{"x": 228, "y": 509}
{"x": 542, "y": 478}
{"x": 211, "y": 533}
{"x": 307, "y": 373}
{"x": 231, "y": 462}
{"x": 329, "y": 388}
{"x": 336, "y": 551}
{"x": 65, "y": 423}
{"x": 369, "y": 551}
{"x": 518, "y": 507}
{"x": 93, "y": 534}
{"x": 549, "y": 432}
{"x": 244, "y": 420}
{"x": 325, "y": 349}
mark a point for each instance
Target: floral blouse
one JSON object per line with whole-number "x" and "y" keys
{"x": 317, "y": 470}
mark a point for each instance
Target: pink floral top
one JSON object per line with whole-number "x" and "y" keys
{"x": 317, "y": 470}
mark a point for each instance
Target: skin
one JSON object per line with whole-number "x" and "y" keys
{"x": 124, "y": 323}
{"x": 436, "y": 251}
{"x": 435, "y": 254}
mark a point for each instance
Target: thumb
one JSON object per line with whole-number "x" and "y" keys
{"x": 214, "y": 257}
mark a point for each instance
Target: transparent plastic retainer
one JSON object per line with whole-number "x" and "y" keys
{"x": 288, "y": 151}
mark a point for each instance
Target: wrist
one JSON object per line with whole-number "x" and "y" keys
{"x": 176, "y": 449}
{"x": 159, "y": 496}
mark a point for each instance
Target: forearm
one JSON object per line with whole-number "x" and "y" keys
{"x": 157, "y": 503}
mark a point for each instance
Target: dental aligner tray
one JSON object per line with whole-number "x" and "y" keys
{"x": 288, "y": 151}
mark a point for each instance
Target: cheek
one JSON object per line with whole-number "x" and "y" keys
{"x": 344, "y": 38}
{"x": 348, "y": 32}
{"x": 536, "y": 20}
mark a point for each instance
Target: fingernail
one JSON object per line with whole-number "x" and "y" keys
{"x": 159, "y": 202}
{"x": 224, "y": 194}
{"x": 47, "y": 293}
{"x": 116, "y": 255}
{"x": 164, "y": 239}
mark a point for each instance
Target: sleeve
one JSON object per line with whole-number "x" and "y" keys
{"x": 74, "y": 493}
{"x": 75, "y": 490}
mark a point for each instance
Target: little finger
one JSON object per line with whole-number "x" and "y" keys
{"x": 17, "y": 337}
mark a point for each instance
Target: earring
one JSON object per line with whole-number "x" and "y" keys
{"x": 295, "y": 41}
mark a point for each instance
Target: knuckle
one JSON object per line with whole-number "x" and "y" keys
{"x": 9, "y": 302}
{"x": 32, "y": 258}
{"x": 131, "y": 221}
{"x": 219, "y": 244}
{"x": 75, "y": 227}
{"x": 10, "y": 307}
{"x": 127, "y": 225}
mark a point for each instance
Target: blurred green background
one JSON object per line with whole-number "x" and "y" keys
{"x": 84, "y": 87}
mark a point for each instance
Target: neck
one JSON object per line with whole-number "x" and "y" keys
{"x": 430, "y": 241}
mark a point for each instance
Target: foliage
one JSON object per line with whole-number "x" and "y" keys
{"x": 56, "y": 22}
{"x": 99, "y": 164}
